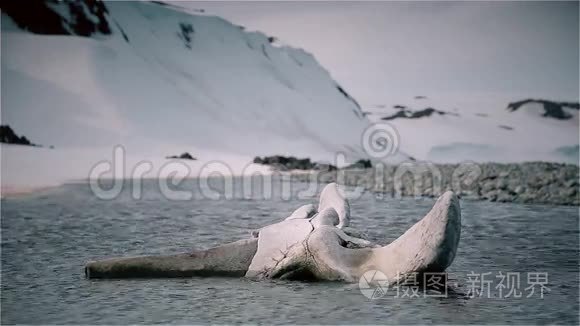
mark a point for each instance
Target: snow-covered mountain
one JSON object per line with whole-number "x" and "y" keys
{"x": 162, "y": 80}
{"x": 496, "y": 129}
{"x": 155, "y": 73}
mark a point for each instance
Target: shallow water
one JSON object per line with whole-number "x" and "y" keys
{"x": 47, "y": 237}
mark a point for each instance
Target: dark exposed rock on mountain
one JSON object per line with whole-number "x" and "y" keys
{"x": 186, "y": 34}
{"x": 360, "y": 164}
{"x": 359, "y": 113}
{"x": 8, "y": 136}
{"x": 83, "y": 18}
{"x": 324, "y": 167}
{"x": 506, "y": 127}
{"x": 410, "y": 114}
{"x": 184, "y": 156}
{"x": 554, "y": 110}
{"x": 420, "y": 97}
{"x": 400, "y": 107}
{"x": 284, "y": 163}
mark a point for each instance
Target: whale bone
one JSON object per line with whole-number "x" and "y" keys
{"x": 310, "y": 246}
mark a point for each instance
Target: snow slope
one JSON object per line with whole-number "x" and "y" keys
{"x": 161, "y": 81}
{"x": 480, "y": 129}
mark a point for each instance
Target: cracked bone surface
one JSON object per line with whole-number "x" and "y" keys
{"x": 310, "y": 244}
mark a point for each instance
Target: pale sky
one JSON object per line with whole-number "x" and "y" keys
{"x": 380, "y": 49}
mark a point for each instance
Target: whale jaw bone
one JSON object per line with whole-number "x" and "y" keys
{"x": 428, "y": 246}
{"x": 316, "y": 248}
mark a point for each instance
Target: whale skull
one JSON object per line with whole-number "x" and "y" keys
{"x": 310, "y": 244}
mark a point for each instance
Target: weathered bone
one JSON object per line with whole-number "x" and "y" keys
{"x": 306, "y": 211}
{"x": 232, "y": 259}
{"x": 303, "y": 212}
{"x": 330, "y": 197}
{"x": 327, "y": 216}
{"x": 310, "y": 247}
{"x": 428, "y": 246}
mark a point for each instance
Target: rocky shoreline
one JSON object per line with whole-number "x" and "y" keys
{"x": 533, "y": 182}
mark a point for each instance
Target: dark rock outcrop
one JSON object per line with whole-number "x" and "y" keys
{"x": 186, "y": 34}
{"x": 284, "y": 163}
{"x": 554, "y": 110}
{"x": 404, "y": 113}
{"x": 360, "y": 164}
{"x": 82, "y": 18}
{"x": 184, "y": 156}
{"x": 324, "y": 167}
{"x": 358, "y": 112}
{"x": 8, "y": 136}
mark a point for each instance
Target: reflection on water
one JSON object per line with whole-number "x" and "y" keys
{"x": 47, "y": 238}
